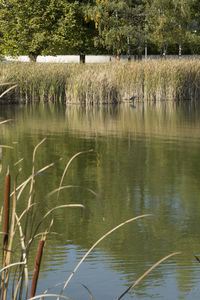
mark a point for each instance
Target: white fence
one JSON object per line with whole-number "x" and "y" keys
{"x": 90, "y": 58}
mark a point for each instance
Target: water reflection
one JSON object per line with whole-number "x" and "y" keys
{"x": 145, "y": 160}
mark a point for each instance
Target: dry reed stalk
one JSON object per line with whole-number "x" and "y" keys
{"x": 88, "y": 290}
{"x": 20, "y": 160}
{"x": 6, "y": 210}
{"x": 1, "y": 214}
{"x": 50, "y": 295}
{"x": 96, "y": 243}
{"x": 8, "y": 90}
{"x": 47, "y": 214}
{"x": 7, "y": 83}
{"x": 197, "y": 258}
{"x": 37, "y": 266}
{"x": 24, "y": 259}
{"x": 11, "y": 265}
{"x": 24, "y": 183}
{"x": 12, "y": 232}
{"x": 147, "y": 272}
{"x": 53, "y": 287}
{"x": 31, "y": 186}
{"x": 6, "y": 226}
{"x": 12, "y": 227}
{"x": 67, "y": 166}
{"x": 73, "y": 186}
{"x": 5, "y": 121}
{"x": 42, "y": 233}
{"x": 5, "y": 146}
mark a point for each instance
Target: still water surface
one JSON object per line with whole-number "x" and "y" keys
{"x": 145, "y": 160}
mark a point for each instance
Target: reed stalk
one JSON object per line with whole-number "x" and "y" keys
{"x": 146, "y": 273}
{"x": 50, "y": 295}
{"x": 6, "y": 212}
{"x": 12, "y": 232}
{"x": 8, "y": 90}
{"x": 5, "y": 121}
{"x": 5, "y": 229}
{"x": 88, "y": 290}
{"x": 67, "y": 166}
{"x": 7, "y": 83}
{"x": 96, "y": 243}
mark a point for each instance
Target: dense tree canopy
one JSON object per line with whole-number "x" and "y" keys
{"x": 41, "y": 27}
{"x": 120, "y": 24}
{"x": 170, "y": 22}
{"x": 35, "y": 27}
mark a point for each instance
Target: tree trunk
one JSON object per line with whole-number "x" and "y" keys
{"x": 82, "y": 58}
{"x": 129, "y": 48}
{"x": 33, "y": 57}
{"x": 180, "y": 42}
{"x": 145, "y": 50}
{"x": 164, "y": 51}
{"x": 180, "y": 48}
{"x": 139, "y": 53}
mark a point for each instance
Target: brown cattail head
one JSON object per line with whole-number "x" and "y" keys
{"x": 6, "y": 209}
{"x": 37, "y": 267}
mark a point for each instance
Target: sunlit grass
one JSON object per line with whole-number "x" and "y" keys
{"x": 103, "y": 83}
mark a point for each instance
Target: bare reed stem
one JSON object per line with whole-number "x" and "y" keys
{"x": 6, "y": 210}
{"x": 8, "y": 90}
{"x": 5, "y": 121}
{"x": 96, "y": 243}
{"x": 31, "y": 186}
{"x": 147, "y": 272}
{"x": 11, "y": 236}
{"x": 6, "y": 227}
{"x": 68, "y": 164}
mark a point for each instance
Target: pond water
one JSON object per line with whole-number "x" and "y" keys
{"x": 145, "y": 160}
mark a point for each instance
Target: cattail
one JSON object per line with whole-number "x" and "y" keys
{"x": 6, "y": 210}
{"x": 37, "y": 267}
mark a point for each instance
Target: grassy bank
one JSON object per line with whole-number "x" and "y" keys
{"x": 102, "y": 83}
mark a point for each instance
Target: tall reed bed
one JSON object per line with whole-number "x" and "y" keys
{"x": 102, "y": 83}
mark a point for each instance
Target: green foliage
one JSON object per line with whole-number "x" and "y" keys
{"x": 43, "y": 27}
{"x": 120, "y": 24}
{"x": 171, "y": 22}
{"x": 50, "y": 27}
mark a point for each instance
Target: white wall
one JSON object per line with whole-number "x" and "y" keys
{"x": 64, "y": 58}
{"x": 89, "y": 58}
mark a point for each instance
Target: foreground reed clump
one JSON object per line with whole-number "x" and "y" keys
{"x": 102, "y": 83}
{"x": 20, "y": 232}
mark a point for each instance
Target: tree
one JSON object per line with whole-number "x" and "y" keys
{"x": 168, "y": 22}
{"x": 120, "y": 24}
{"x": 193, "y": 34}
{"x": 43, "y": 27}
